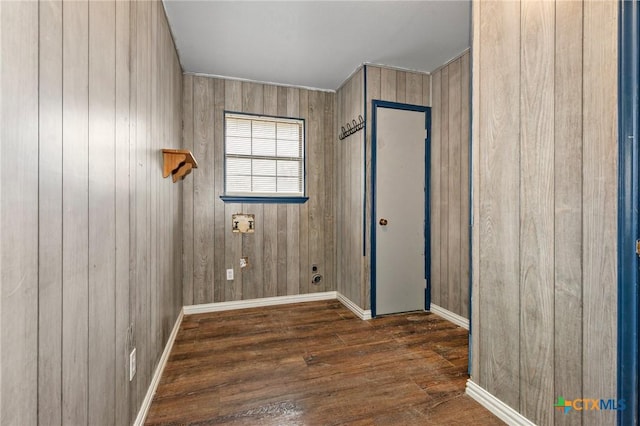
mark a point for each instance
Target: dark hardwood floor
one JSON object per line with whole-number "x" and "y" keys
{"x": 316, "y": 364}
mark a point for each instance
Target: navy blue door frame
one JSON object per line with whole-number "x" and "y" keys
{"x": 427, "y": 162}
{"x": 628, "y": 210}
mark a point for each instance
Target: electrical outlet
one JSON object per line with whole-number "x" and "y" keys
{"x": 132, "y": 364}
{"x": 229, "y": 274}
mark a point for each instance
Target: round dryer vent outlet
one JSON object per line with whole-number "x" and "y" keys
{"x": 316, "y": 278}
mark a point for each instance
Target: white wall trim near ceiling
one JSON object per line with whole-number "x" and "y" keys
{"x": 351, "y": 74}
{"x": 224, "y": 77}
{"x": 358, "y": 68}
{"x": 450, "y": 316}
{"x": 391, "y": 67}
{"x": 455, "y": 58}
{"x": 496, "y": 406}
{"x": 155, "y": 380}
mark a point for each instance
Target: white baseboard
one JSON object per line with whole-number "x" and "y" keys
{"x": 155, "y": 380}
{"x": 450, "y": 316}
{"x": 496, "y": 406}
{"x": 360, "y": 313}
{"x": 257, "y": 303}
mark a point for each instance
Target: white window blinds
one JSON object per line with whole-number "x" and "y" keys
{"x": 264, "y": 156}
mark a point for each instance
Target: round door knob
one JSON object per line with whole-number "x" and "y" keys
{"x": 383, "y": 222}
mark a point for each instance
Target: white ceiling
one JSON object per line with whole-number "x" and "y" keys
{"x": 315, "y": 43}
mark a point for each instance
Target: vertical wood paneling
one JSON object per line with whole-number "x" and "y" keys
{"x": 101, "y": 216}
{"x": 270, "y": 225}
{"x": 187, "y": 207}
{"x": 385, "y": 84}
{"x": 465, "y": 123}
{"x": 499, "y": 256}
{"x": 316, "y": 183}
{"x": 122, "y": 204}
{"x": 599, "y": 192}
{"x": 3, "y": 50}
{"x": 220, "y": 224}
{"x": 305, "y": 261}
{"x": 329, "y": 139}
{"x": 82, "y": 80}
{"x": 568, "y": 205}
{"x": 159, "y": 190}
{"x": 537, "y": 209}
{"x": 339, "y": 149}
{"x": 436, "y": 202}
{"x": 50, "y": 214}
{"x": 175, "y": 117}
{"x": 142, "y": 272}
{"x": 426, "y": 89}
{"x": 165, "y": 246}
{"x": 372, "y": 90}
{"x": 154, "y": 284}
{"x": 388, "y": 83}
{"x": 174, "y": 123}
{"x": 444, "y": 186}
{"x": 281, "y": 242}
{"x": 252, "y": 244}
{"x": 19, "y": 217}
{"x": 566, "y": 242}
{"x": 476, "y": 117}
{"x": 281, "y": 250}
{"x": 293, "y": 212}
{"x": 133, "y": 200}
{"x": 155, "y": 308}
{"x": 162, "y": 240}
{"x": 282, "y": 223}
{"x": 356, "y": 175}
{"x": 203, "y": 190}
{"x": 354, "y": 100}
{"x": 450, "y": 127}
{"x": 414, "y": 89}
{"x": 233, "y": 242}
{"x": 75, "y": 234}
{"x": 401, "y": 87}
{"x": 454, "y": 188}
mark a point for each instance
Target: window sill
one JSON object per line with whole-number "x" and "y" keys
{"x": 263, "y": 200}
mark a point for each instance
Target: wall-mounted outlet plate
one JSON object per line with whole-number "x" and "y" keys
{"x": 132, "y": 364}
{"x": 229, "y": 274}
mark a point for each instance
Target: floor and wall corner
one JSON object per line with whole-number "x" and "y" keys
{"x": 100, "y": 255}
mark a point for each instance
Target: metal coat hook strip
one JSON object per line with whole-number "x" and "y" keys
{"x": 351, "y": 128}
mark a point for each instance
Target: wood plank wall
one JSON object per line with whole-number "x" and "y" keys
{"x": 388, "y": 84}
{"x": 289, "y": 238}
{"x": 349, "y": 160}
{"x": 353, "y": 227}
{"x": 451, "y": 126}
{"x": 544, "y": 236}
{"x": 91, "y": 242}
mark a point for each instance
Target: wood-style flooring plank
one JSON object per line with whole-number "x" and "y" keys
{"x": 316, "y": 363}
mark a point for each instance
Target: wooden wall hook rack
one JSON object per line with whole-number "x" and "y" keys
{"x": 178, "y": 162}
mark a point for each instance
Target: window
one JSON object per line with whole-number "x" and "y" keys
{"x": 264, "y": 159}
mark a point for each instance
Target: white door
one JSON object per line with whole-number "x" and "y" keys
{"x": 400, "y": 210}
